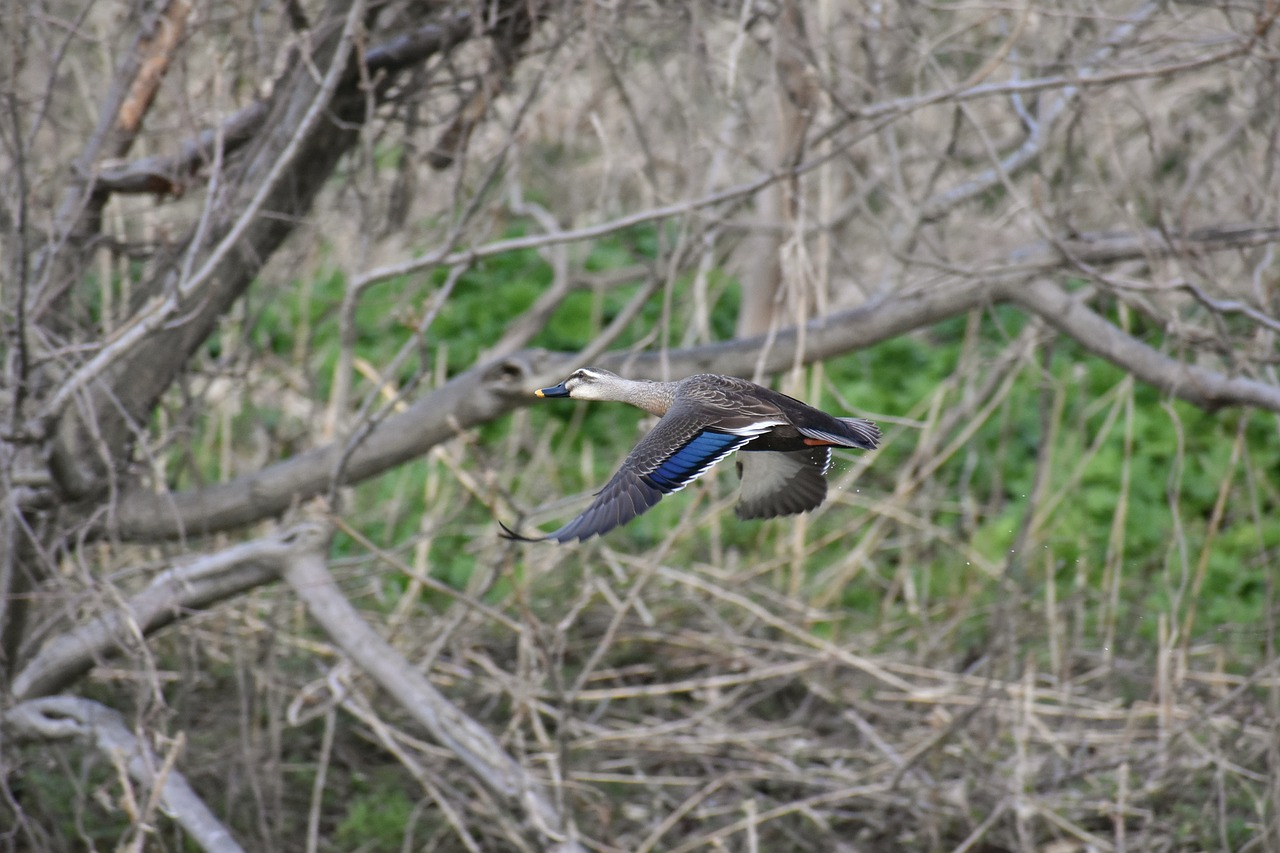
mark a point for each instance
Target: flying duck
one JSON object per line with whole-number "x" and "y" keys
{"x": 704, "y": 418}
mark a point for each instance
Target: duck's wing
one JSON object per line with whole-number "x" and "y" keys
{"x": 735, "y": 397}
{"x": 734, "y": 402}
{"x": 782, "y": 483}
{"x": 680, "y": 449}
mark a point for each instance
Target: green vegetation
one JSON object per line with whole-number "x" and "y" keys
{"x": 1150, "y": 515}
{"x": 1162, "y": 481}
{"x": 378, "y": 817}
{"x": 1042, "y": 616}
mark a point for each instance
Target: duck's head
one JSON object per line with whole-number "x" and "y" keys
{"x": 585, "y": 383}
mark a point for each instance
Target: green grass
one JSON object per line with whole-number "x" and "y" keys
{"x": 1178, "y": 459}
{"x": 378, "y": 815}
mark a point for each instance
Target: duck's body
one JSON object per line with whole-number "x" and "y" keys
{"x": 705, "y": 418}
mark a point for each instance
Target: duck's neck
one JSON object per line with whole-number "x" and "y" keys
{"x": 654, "y": 397}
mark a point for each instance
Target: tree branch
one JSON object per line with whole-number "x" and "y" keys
{"x": 58, "y": 717}
{"x": 311, "y": 581}
{"x": 168, "y": 174}
{"x": 1207, "y": 389}
{"x": 491, "y": 390}
{"x": 119, "y": 386}
{"x": 77, "y": 220}
{"x": 1040, "y": 131}
{"x": 1110, "y": 247}
{"x": 477, "y": 396}
{"x": 127, "y": 340}
{"x": 172, "y": 594}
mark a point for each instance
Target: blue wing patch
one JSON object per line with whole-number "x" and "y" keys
{"x": 700, "y": 453}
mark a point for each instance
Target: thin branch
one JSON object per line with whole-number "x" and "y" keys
{"x": 81, "y": 206}
{"x": 446, "y": 257}
{"x": 1109, "y": 247}
{"x": 309, "y": 576}
{"x": 167, "y": 174}
{"x": 58, "y": 717}
{"x": 360, "y": 708}
{"x": 164, "y": 307}
{"x": 1029, "y": 150}
{"x": 1231, "y": 306}
{"x": 171, "y": 595}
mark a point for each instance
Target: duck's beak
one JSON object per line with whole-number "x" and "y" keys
{"x": 553, "y": 391}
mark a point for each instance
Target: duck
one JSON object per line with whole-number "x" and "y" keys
{"x": 785, "y": 443}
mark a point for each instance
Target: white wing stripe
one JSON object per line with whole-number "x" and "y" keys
{"x": 757, "y": 428}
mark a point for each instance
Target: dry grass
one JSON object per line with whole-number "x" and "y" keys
{"x": 682, "y": 708}
{"x": 875, "y": 675}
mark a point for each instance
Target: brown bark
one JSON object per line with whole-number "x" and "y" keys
{"x": 763, "y": 291}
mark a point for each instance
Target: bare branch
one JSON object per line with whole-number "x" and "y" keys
{"x": 168, "y": 174}
{"x": 1109, "y": 247}
{"x": 491, "y": 390}
{"x": 1207, "y": 389}
{"x": 58, "y": 717}
{"x": 171, "y": 595}
{"x": 78, "y": 215}
{"x": 311, "y": 581}
{"x": 476, "y": 396}
{"x": 447, "y": 257}
{"x": 1040, "y": 130}
{"x": 158, "y": 312}
{"x": 121, "y": 383}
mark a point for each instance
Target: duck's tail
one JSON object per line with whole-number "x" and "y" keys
{"x": 857, "y": 432}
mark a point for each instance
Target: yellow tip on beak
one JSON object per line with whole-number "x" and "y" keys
{"x": 539, "y": 393}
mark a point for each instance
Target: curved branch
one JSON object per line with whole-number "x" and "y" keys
{"x": 1039, "y": 133}
{"x": 172, "y": 594}
{"x": 167, "y": 174}
{"x": 1207, "y": 389}
{"x": 471, "y": 742}
{"x": 491, "y": 390}
{"x": 57, "y": 717}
